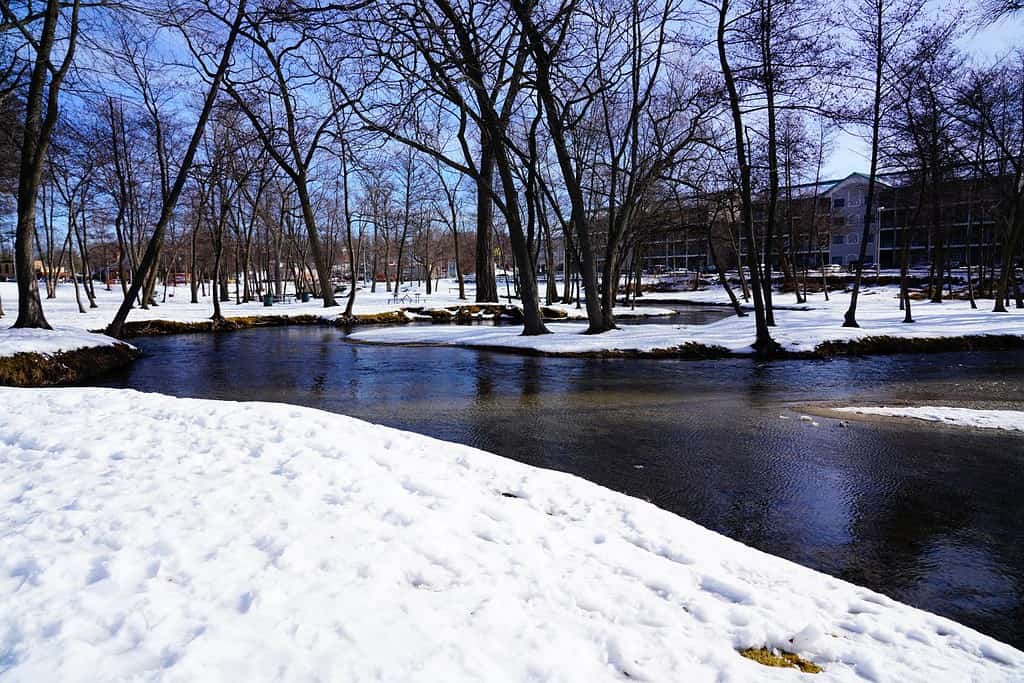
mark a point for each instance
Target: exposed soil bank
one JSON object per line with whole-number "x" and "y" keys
{"x": 29, "y": 369}
{"x": 867, "y": 346}
{"x": 154, "y": 328}
{"x": 685, "y": 351}
{"x": 885, "y": 345}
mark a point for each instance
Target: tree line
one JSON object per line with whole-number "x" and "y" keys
{"x": 326, "y": 143}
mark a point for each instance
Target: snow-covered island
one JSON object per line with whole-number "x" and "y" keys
{"x": 1007, "y": 420}
{"x": 34, "y": 357}
{"x": 808, "y": 329}
{"x": 145, "y": 537}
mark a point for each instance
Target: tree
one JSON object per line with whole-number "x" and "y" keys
{"x": 216, "y": 74}
{"x": 282, "y": 80}
{"x": 991, "y": 105}
{"x": 41, "y": 115}
{"x": 880, "y": 28}
{"x": 470, "y": 66}
{"x": 763, "y": 342}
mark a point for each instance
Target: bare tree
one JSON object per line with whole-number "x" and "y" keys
{"x": 41, "y": 116}
{"x": 763, "y": 342}
{"x": 281, "y": 80}
{"x": 991, "y": 105}
{"x": 881, "y": 28}
{"x": 216, "y": 74}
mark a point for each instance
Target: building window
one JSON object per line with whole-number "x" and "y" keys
{"x": 838, "y": 202}
{"x": 839, "y": 221}
{"x": 838, "y": 239}
{"x": 853, "y": 238}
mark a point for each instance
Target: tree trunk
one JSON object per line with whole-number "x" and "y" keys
{"x": 39, "y": 124}
{"x": 850, "y": 317}
{"x": 116, "y": 327}
{"x": 486, "y": 284}
{"x": 763, "y": 342}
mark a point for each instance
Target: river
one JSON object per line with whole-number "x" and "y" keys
{"x": 929, "y": 515}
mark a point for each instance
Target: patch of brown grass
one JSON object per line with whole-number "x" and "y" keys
{"x": 385, "y": 317}
{"x": 63, "y": 367}
{"x": 780, "y": 658}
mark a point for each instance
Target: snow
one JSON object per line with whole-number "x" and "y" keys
{"x": 50, "y": 341}
{"x": 144, "y": 537}
{"x": 1009, "y": 420}
{"x": 796, "y": 330}
{"x": 799, "y": 329}
{"x": 63, "y": 310}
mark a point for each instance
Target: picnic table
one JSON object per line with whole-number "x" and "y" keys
{"x": 414, "y": 298}
{"x": 271, "y": 299}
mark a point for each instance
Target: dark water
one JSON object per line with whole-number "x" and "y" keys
{"x": 929, "y": 515}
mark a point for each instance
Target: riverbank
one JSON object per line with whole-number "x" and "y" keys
{"x": 176, "y": 313}
{"x": 812, "y": 332}
{"x": 59, "y": 356}
{"x": 79, "y": 350}
{"x": 368, "y": 552}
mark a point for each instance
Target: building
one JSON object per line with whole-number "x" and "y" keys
{"x": 958, "y": 216}
{"x": 825, "y": 223}
{"x": 7, "y": 272}
{"x": 840, "y": 206}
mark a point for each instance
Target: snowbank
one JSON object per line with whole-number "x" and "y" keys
{"x": 1009, "y": 420}
{"x": 57, "y": 340}
{"x": 63, "y": 310}
{"x": 799, "y": 331}
{"x": 149, "y": 537}
{"x": 61, "y": 356}
{"x": 566, "y": 338}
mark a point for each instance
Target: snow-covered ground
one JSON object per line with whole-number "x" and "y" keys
{"x": 796, "y": 330}
{"x": 49, "y": 341}
{"x": 1009, "y": 420}
{"x": 63, "y": 311}
{"x": 715, "y": 295}
{"x": 144, "y": 537}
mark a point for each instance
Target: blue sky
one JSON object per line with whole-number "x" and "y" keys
{"x": 984, "y": 45}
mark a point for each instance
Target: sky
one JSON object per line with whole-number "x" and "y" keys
{"x": 853, "y": 153}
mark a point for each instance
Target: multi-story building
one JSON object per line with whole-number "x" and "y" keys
{"x": 825, "y": 222}
{"x": 958, "y": 215}
{"x": 841, "y": 207}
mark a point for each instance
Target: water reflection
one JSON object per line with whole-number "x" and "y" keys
{"x": 931, "y": 516}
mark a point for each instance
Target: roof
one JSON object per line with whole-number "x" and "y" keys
{"x": 825, "y": 187}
